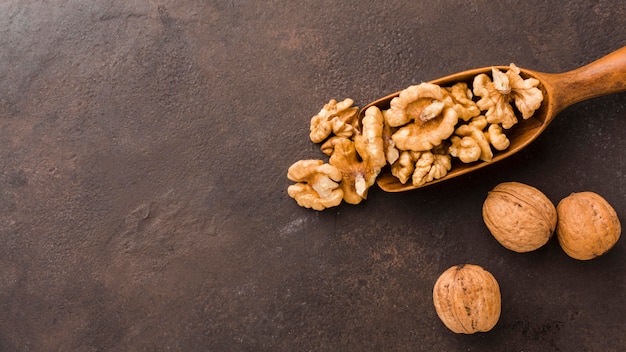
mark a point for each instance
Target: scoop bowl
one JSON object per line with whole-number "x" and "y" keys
{"x": 606, "y": 75}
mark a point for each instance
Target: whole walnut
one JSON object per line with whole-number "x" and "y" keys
{"x": 520, "y": 217}
{"x": 467, "y": 299}
{"x": 587, "y": 225}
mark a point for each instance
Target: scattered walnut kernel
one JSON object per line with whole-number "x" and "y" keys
{"x": 337, "y": 118}
{"x": 329, "y": 146}
{"x": 357, "y": 175}
{"x": 318, "y": 184}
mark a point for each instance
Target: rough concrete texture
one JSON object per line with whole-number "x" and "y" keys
{"x": 143, "y": 155}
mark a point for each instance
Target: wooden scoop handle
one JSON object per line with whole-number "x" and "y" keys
{"x": 604, "y": 76}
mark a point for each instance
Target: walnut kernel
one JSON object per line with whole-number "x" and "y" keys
{"x": 317, "y": 184}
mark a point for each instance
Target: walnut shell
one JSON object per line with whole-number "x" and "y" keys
{"x": 467, "y": 299}
{"x": 587, "y": 225}
{"x": 520, "y": 217}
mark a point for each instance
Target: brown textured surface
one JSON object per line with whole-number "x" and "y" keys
{"x": 144, "y": 148}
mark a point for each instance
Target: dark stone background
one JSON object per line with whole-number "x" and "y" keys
{"x": 143, "y": 155}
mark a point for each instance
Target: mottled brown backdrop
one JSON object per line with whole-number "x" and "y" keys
{"x": 143, "y": 155}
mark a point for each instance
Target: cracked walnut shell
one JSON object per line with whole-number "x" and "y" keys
{"x": 587, "y": 225}
{"x": 520, "y": 217}
{"x": 467, "y": 299}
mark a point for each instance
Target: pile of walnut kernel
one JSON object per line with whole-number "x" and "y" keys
{"x": 424, "y": 128}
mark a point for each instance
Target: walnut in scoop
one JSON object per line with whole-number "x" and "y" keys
{"x": 588, "y": 225}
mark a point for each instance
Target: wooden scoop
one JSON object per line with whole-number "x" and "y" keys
{"x": 604, "y": 76}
